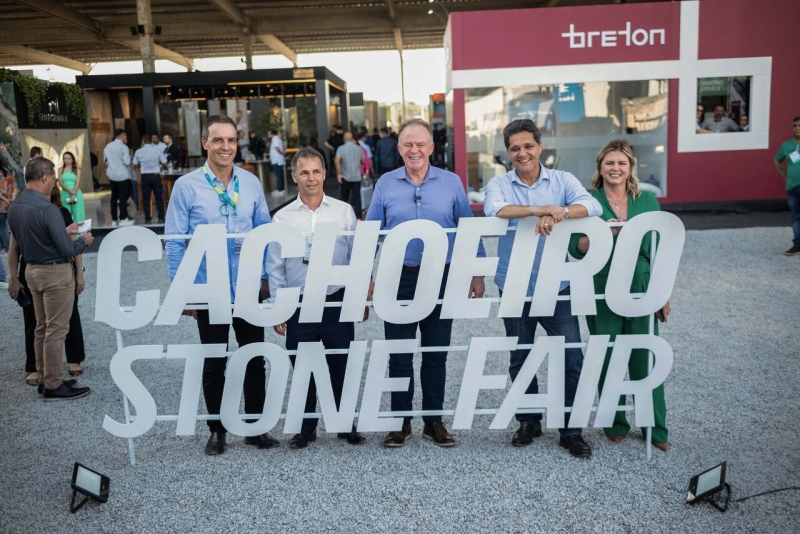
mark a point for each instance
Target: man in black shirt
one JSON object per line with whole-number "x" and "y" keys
{"x": 173, "y": 152}
{"x": 332, "y": 144}
{"x": 38, "y": 227}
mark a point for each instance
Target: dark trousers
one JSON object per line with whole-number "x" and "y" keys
{"x": 351, "y": 193}
{"x": 278, "y": 170}
{"x": 214, "y": 368}
{"x": 334, "y": 335}
{"x": 73, "y": 344}
{"x": 793, "y": 196}
{"x": 152, "y": 183}
{"x": 120, "y": 191}
{"x": 435, "y": 332}
{"x": 562, "y": 323}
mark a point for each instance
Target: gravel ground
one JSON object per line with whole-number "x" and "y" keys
{"x": 732, "y": 395}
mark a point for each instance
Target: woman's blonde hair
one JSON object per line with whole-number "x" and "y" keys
{"x": 621, "y": 145}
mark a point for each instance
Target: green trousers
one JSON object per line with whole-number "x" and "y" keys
{"x": 609, "y": 323}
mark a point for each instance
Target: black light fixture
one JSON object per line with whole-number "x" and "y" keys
{"x": 704, "y": 486}
{"x": 157, "y": 30}
{"x": 89, "y": 483}
{"x": 140, "y": 31}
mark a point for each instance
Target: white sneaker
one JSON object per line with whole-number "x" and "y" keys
{"x": 3, "y": 285}
{"x": 276, "y": 193}
{"x": 114, "y": 223}
{"x": 126, "y": 222}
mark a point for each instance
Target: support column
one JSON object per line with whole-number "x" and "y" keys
{"x": 145, "y": 18}
{"x": 247, "y": 41}
{"x": 402, "y": 87}
{"x": 323, "y": 118}
{"x": 149, "y": 107}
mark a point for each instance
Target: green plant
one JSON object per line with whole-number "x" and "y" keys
{"x": 73, "y": 97}
{"x": 33, "y": 91}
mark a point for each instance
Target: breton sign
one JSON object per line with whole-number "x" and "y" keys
{"x": 209, "y": 242}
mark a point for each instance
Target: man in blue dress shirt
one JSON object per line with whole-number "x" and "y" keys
{"x": 419, "y": 191}
{"x": 220, "y": 193}
{"x": 532, "y": 190}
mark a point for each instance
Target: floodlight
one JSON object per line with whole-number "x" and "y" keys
{"x": 89, "y": 483}
{"x": 708, "y": 483}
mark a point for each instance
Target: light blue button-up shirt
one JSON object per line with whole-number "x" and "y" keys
{"x": 553, "y": 187}
{"x": 439, "y": 198}
{"x": 195, "y": 202}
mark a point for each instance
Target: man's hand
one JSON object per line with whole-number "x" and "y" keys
{"x": 263, "y": 293}
{"x": 551, "y": 210}
{"x": 545, "y": 225}
{"x": 340, "y": 178}
{"x": 72, "y": 229}
{"x": 280, "y": 329}
{"x": 13, "y": 288}
{"x": 477, "y": 287}
{"x": 190, "y": 313}
{"x": 87, "y": 236}
{"x": 80, "y": 282}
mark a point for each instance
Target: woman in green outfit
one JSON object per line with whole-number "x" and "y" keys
{"x": 71, "y": 194}
{"x": 617, "y": 190}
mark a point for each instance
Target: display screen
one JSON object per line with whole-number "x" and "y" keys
{"x": 709, "y": 480}
{"x": 88, "y": 480}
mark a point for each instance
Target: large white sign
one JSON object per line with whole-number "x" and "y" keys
{"x": 209, "y": 242}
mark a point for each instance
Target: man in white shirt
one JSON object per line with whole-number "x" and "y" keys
{"x": 148, "y": 161}
{"x": 277, "y": 159}
{"x": 311, "y": 207}
{"x": 118, "y": 169}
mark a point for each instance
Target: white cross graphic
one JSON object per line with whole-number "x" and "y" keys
{"x": 687, "y": 69}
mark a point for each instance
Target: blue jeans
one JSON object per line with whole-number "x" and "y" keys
{"x": 435, "y": 332}
{"x": 3, "y": 275}
{"x": 562, "y": 323}
{"x": 794, "y": 206}
{"x": 5, "y": 240}
{"x": 278, "y": 170}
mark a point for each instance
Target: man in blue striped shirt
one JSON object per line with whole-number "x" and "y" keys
{"x": 532, "y": 190}
{"x": 195, "y": 200}
{"x": 419, "y": 191}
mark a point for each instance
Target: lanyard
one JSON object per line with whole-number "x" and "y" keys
{"x": 223, "y": 195}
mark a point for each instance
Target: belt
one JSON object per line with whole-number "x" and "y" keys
{"x": 336, "y": 296}
{"x": 48, "y": 263}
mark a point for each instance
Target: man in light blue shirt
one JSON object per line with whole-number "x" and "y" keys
{"x": 532, "y": 190}
{"x": 419, "y": 191}
{"x": 148, "y": 161}
{"x": 220, "y": 193}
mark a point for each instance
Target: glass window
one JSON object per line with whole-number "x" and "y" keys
{"x": 576, "y": 120}
{"x": 723, "y": 104}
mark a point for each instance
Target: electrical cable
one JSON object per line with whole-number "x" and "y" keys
{"x": 766, "y": 493}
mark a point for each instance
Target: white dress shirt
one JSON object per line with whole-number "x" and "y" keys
{"x": 118, "y": 161}
{"x": 276, "y": 151}
{"x": 291, "y": 272}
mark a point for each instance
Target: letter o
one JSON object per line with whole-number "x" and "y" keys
{"x": 643, "y": 33}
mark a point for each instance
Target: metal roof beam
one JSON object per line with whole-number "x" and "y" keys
{"x": 233, "y": 11}
{"x": 278, "y": 46}
{"x": 161, "y": 53}
{"x": 66, "y": 14}
{"x": 45, "y": 58}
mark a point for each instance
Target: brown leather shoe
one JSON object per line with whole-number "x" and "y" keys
{"x": 437, "y": 433}
{"x": 398, "y": 438}
{"x": 661, "y": 446}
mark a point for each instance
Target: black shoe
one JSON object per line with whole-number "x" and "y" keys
{"x": 215, "y": 444}
{"x": 301, "y": 440}
{"x": 264, "y": 441}
{"x": 524, "y": 436}
{"x": 148, "y": 221}
{"x": 576, "y": 446}
{"x": 65, "y": 392}
{"x": 40, "y": 389}
{"x": 352, "y": 437}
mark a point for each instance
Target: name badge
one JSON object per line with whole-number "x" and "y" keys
{"x": 794, "y": 156}
{"x": 307, "y": 256}
{"x": 237, "y": 246}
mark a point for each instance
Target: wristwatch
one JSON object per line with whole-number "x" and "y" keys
{"x": 82, "y": 269}
{"x": 566, "y": 212}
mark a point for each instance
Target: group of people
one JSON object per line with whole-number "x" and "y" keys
{"x": 221, "y": 193}
{"x": 719, "y": 122}
{"x": 46, "y": 276}
{"x": 125, "y": 172}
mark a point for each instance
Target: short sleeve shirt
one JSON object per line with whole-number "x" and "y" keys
{"x": 792, "y": 169}
{"x": 350, "y": 165}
